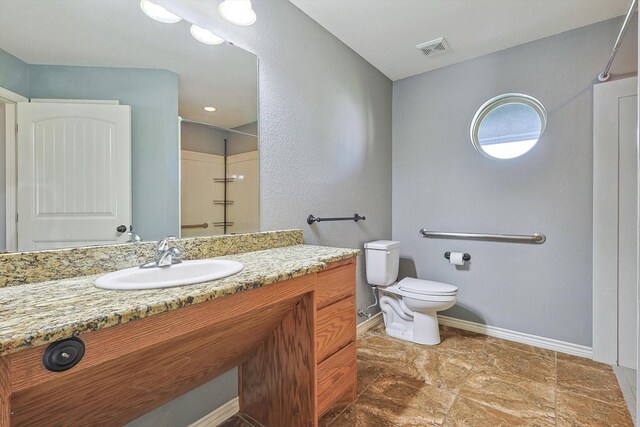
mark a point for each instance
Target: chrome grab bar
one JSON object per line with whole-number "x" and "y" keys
{"x": 204, "y": 225}
{"x": 518, "y": 238}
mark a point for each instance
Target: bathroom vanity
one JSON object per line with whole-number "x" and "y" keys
{"x": 287, "y": 321}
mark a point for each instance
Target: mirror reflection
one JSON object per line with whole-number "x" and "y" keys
{"x": 126, "y": 127}
{"x": 227, "y": 159}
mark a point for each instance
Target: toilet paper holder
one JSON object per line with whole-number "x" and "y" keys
{"x": 465, "y": 256}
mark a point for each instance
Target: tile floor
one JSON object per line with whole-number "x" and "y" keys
{"x": 474, "y": 380}
{"x": 240, "y": 420}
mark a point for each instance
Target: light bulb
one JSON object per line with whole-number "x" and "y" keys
{"x": 158, "y": 13}
{"x": 237, "y": 12}
{"x": 205, "y": 36}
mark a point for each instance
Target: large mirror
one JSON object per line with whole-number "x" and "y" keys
{"x": 121, "y": 121}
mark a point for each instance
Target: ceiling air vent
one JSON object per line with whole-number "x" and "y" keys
{"x": 434, "y": 47}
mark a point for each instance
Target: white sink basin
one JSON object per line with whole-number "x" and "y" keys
{"x": 185, "y": 273}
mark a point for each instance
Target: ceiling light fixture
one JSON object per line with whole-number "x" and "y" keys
{"x": 210, "y": 109}
{"x": 237, "y": 12}
{"x": 158, "y": 13}
{"x": 205, "y": 36}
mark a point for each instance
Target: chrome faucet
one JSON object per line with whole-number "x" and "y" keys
{"x": 166, "y": 254}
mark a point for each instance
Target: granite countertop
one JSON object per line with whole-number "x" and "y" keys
{"x": 39, "y": 313}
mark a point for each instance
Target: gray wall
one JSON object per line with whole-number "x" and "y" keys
{"x": 202, "y": 139}
{"x": 153, "y": 97}
{"x": 325, "y": 146}
{"x": 208, "y": 139}
{"x": 442, "y": 183}
{"x": 251, "y": 128}
{"x": 325, "y": 127}
{"x": 239, "y": 143}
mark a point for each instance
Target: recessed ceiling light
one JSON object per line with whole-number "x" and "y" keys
{"x": 237, "y": 12}
{"x": 210, "y": 109}
{"x": 158, "y": 13}
{"x": 205, "y": 36}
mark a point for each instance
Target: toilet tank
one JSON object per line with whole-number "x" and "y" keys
{"x": 382, "y": 258}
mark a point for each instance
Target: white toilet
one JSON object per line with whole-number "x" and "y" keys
{"x": 410, "y": 306}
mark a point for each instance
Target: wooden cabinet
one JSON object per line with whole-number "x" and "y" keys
{"x": 294, "y": 342}
{"x": 132, "y": 368}
{"x": 336, "y": 335}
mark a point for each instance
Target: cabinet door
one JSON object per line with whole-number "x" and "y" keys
{"x": 336, "y": 377}
{"x": 336, "y": 284}
{"x": 336, "y": 327}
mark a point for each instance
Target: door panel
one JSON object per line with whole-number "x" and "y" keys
{"x": 74, "y": 174}
{"x": 627, "y": 244}
{"x": 615, "y": 214}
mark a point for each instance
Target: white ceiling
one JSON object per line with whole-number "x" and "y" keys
{"x": 385, "y": 32}
{"x": 108, "y": 33}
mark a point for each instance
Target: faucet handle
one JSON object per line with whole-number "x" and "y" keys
{"x": 176, "y": 255}
{"x": 163, "y": 244}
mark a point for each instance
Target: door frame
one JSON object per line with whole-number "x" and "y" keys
{"x": 180, "y": 177}
{"x": 605, "y": 216}
{"x": 10, "y": 99}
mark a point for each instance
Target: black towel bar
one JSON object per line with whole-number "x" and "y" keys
{"x": 311, "y": 219}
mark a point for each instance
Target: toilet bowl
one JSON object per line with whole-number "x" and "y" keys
{"x": 409, "y": 307}
{"x": 419, "y": 302}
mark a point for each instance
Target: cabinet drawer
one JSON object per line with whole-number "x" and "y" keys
{"x": 335, "y": 327}
{"x": 336, "y": 284}
{"x": 336, "y": 376}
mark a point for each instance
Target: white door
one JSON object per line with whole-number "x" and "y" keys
{"x": 615, "y": 213}
{"x": 74, "y": 174}
{"x": 201, "y": 196}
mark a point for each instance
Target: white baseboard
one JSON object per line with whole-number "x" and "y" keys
{"x": 219, "y": 415}
{"x": 506, "y": 334}
{"x": 370, "y": 323}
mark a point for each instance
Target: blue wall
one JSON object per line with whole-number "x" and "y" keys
{"x": 153, "y": 97}
{"x": 14, "y": 74}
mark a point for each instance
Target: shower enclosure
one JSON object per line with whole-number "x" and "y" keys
{"x": 219, "y": 180}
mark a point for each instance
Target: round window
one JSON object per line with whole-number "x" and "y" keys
{"x": 508, "y": 125}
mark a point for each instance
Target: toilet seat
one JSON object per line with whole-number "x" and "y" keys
{"x": 396, "y": 290}
{"x": 426, "y": 287}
